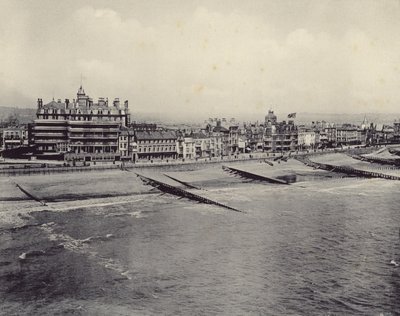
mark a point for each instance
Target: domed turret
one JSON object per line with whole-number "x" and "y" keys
{"x": 270, "y": 117}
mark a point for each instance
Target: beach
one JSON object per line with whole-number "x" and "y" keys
{"x": 101, "y": 243}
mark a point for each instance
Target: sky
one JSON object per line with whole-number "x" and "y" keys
{"x": 198, "y": 59}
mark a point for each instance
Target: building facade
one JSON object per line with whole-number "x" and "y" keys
{"x": 81, "y": 129}
{"x": 279, "y": 136}
{"x": 348, "y": 135}
{"x": 306, "y": 139}
{"x": 13, "y": 137}
{"x": 156, "y": 145}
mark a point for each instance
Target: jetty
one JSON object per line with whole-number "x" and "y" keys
{"x": 166, "y": 188}
{"x": 253, "y": 176}
{"x": 345, "y": 169}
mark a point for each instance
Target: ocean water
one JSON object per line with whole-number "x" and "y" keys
{"x": 320, "y": 246}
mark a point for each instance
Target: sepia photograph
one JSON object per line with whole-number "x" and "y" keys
{"x": 199, "y": 157}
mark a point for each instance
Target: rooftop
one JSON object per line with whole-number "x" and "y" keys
{"x": 150, "y": 135}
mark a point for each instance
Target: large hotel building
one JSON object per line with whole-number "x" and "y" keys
{"x": 79, "y": 129}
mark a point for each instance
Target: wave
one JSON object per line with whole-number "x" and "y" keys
{"x": 82, "y": 246}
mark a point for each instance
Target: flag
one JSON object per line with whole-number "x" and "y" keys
{"x": 292, "y": 115}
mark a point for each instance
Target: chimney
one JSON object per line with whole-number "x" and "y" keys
{"x": 66, "y": 103}
{"x": 126, "y": 104}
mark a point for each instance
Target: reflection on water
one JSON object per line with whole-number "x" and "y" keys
{"x": 324, "y": 247}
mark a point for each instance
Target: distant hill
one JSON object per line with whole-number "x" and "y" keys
{"x": 27, "y": 115}
{"x": 340, "y": 118}
{"x": 24, "y": 115}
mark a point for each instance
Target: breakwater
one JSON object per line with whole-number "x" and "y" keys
{"x": 345, "y": 169}
{"x": 378, "y": 160}
{"x": 166, "y": 188}
{"x": 253, "y": 176}
{"x": 30, "y": 195}
{"x": 182, "y": 182}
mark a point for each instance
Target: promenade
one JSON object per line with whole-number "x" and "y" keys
{"x": 14, "y": 167}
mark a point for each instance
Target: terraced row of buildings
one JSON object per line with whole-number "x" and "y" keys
{"x": 83, "y": 130}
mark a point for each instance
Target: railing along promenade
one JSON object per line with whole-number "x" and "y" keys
{"x": 21, "y": 168}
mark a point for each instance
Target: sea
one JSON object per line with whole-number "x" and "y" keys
{"x": 107, "y": 243}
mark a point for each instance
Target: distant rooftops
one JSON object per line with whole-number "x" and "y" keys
{"x": 151, "y": 135}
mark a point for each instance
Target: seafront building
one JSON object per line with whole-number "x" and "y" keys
{"x": 14, "y": 137}
{"x": 279, "y": 136}
{"x": 156, "y": 145}
{"x": 80, "y": 129}
{"x": 307, "y": 138}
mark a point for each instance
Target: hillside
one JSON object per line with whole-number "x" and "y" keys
{"x": 24, "y": 115}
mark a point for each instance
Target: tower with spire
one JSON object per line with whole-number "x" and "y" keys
{"x": 364, "y": 124}
{"x": 81, "y": 97}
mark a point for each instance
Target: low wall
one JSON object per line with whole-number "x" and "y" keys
{"x": 27, "y": 169}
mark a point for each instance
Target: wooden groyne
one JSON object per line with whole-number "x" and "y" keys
{"x": 163, "y": 187}
{"x": 394, "y": 151}
{"x": 182, "y": 182}
{"x": 268, "y": 162}
{"x": 346, "y": 169}
{"x": 378, "y": 160}
{"x": 253, "y": 176}
{"x": 30, "y": 195}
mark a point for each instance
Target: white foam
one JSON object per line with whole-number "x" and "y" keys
{"x": 81, "y": 246}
